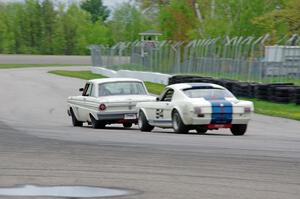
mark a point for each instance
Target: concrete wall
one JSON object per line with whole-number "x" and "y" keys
{"x": 145, "y": 76}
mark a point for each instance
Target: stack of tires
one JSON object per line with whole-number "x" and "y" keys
{"x": 261, "y": 91}
{"x": 229, "y": 84}
{"x": 189, "y": 79}
{"x": 242, "y": 89}
{"x": 278, "y": 92}
{"x": 281, "y": 92}
{"x": 297, "y": 95}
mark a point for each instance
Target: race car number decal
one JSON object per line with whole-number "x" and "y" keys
{"x": 159, "y": 113}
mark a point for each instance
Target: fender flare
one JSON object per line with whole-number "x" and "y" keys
{"x": 144, "y": 111}
{"x": 176, "y": 108}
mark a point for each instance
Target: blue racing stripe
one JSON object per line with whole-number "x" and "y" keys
{"x": 221, "y": 111}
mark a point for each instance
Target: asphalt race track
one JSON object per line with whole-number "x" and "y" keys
{"x": 38, "y": 146}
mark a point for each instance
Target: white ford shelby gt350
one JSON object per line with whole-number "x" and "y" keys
{"x": 199, "y": 106}
{"x": 107, "y": 101}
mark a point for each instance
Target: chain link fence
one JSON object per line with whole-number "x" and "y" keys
{"x": 239, "y": 58}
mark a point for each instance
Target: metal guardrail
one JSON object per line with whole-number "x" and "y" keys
{"x": 240, "y": 58}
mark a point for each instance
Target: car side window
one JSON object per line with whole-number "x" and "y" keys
{"x": 167, "y": 97}
{"x": 91, "y": 90}
{"x": 86, "y": 90}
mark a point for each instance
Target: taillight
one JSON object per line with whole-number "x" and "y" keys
{"x": 102, "y": 107}
{"x": 197, "y": 110}
{"x": 247, "y": 110}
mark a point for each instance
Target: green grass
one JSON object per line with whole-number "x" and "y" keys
{"x": 77, "y": 74}
{"x": 10, "y": 66}
{"x": 155, "y": 88}
{"x": 290, "y": 111}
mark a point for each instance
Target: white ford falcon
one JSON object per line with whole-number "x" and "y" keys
{"x": 107, "y": 101}
{"x": 199, "y": 106}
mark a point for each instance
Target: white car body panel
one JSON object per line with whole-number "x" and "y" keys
{"x": 160, "y": 113}
{"x": 116, "y": 105}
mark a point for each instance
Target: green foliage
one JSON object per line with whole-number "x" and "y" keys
{"x": 177, "y": 20}
{"x": 51, "y": 27}
{"x": 96, "y": 9}
{"x": 127, "y": 22}
{"x": 285, "y": 20}
{"x": 43, "y": 27}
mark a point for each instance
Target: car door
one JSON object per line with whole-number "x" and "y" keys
{"x": 89, "y": 101}
{"x": 82, "y": 108}
{"x": 164, "y": 108}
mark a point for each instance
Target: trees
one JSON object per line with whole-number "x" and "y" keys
{"x": 177, "y": 20}
{"x": 96, "y": 9}
{"x": 43, "y": 27}
{"x": 51, "y": 27}
{"x": 127, "y": 21}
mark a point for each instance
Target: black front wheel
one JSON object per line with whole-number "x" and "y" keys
{"x": 238, "y": 129}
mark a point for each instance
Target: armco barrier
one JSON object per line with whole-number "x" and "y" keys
{"x": 279, "y": 92}
{"x": 145, "y": 76}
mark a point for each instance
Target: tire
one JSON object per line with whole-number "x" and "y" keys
{"x": 238, "y": 129}
{"x": 127, "y": 125}
{"x": 96, "y": 124}
{"x": 143, "y": 123}
{"x": 178, "y": 125}
{"x": 201, "y": 130}
{"x": 75, "y": 122}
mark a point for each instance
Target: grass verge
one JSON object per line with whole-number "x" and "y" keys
{"x": 10, "y": 66}
{"x": 152, "y": 87}
{"x": 290, "y": 111}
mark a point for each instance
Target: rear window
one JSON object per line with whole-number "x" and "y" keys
{"x": 207, "y": 93}
{"x": 122, "y": 88}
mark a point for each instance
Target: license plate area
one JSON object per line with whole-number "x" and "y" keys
{"x": 130, "y": 116}
{"x": 218, "y": 126}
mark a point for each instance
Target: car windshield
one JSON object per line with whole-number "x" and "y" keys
{"x": 207, "y": 93}
{"x": 121, "y": 88}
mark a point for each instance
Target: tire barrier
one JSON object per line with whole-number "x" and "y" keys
{"x": 274, "y": 92}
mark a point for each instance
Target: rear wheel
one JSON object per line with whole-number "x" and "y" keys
{"x": 201, "y": 130}
{"x": 178, "y": 125}
{"x": 127, "y": 125}
{"x": 75, "y": 122}
{"x": 143, "y": 123}
{"x": 238, "y": 129}
{"x": 96, "y": 124}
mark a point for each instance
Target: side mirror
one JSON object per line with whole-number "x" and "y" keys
{"x": 81, "y": 89}
{"x": 157, "y": 98}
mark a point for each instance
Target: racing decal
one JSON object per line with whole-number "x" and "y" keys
{"x": 159, "y": 113}
{"x": 221, "y": 111}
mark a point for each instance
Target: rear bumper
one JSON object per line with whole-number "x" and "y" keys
{"x": 206, "y": 120}
{"x": 117, "y": 117}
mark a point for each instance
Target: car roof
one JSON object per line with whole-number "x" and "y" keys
{"x": 105, "y": 80}
{"x": 181, "y": 86}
